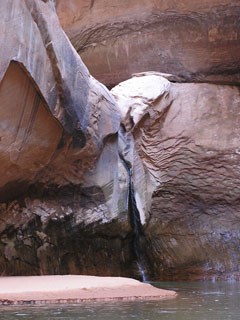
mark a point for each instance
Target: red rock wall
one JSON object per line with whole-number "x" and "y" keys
{"x": 197, "y": 40}
{"x": 187, "y": 136}
{"x": 63, "y": 190}
{"x": 59, "y": 177}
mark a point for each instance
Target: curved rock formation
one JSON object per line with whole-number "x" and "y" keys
{"x": 55, "y": 72}
{"x": 187, "y": 136}
{"x": 29, "y": 133}
{"x": 60, "y": 170}
{"x": 196, "y": 40}
{"x": 64, "y": 190}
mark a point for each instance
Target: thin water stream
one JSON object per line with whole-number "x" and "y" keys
{"x": 135, "y": 221}
{"x": 137, "y": 228}
{"x": 195, "y": 301}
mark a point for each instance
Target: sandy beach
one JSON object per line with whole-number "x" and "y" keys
{"x": 74, "y": 289}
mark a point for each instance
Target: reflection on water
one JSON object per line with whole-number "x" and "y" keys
{"x": 195, "y": 301}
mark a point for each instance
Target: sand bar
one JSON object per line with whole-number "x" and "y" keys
{"x": 74, "y": 289}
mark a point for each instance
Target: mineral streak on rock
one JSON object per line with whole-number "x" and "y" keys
{"x": 77, "y": 110}
{"x": 63, "y": 188}
{"x": 187, "y": 136}
{"x": 196, "y": 40}
{"x": 58, "y": 130}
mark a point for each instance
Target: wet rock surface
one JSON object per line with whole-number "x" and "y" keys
{"x": 68, "y": 230}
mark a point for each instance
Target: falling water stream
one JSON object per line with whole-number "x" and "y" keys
{"x": 136, "y": 226}
{"x": 135, "y": 221}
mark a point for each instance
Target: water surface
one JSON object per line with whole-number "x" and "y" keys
{"x": 195, "y": 301}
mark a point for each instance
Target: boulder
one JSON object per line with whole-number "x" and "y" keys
{"x": 187, "y": 137}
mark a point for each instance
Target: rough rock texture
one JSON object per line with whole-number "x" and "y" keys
{"x": 187, "y": 136}
{"x": 63, "y": 184}
{"x": 60, "y": 173}
{"x": 196, "y": 40}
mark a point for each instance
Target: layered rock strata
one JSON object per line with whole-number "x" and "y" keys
{"x": 63, "y": 186}
{"x": 196, "y": 40}
{"x": 187, "y": 136}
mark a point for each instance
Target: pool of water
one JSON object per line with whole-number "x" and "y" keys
{"x": 195, "y": 301}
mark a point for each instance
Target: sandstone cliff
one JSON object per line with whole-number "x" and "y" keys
{"x": 58, "y": 133}
{"x": 196, "y": 40}
{"x": 187, "y": 136}
{"x": 68, "y": 146}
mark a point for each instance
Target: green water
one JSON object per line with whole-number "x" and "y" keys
{"x": 195, "y": 301}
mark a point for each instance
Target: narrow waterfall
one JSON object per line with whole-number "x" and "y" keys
{"x": 135, "y": 222}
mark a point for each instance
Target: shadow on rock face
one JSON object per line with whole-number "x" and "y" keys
{"x": 29, "y": 132}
